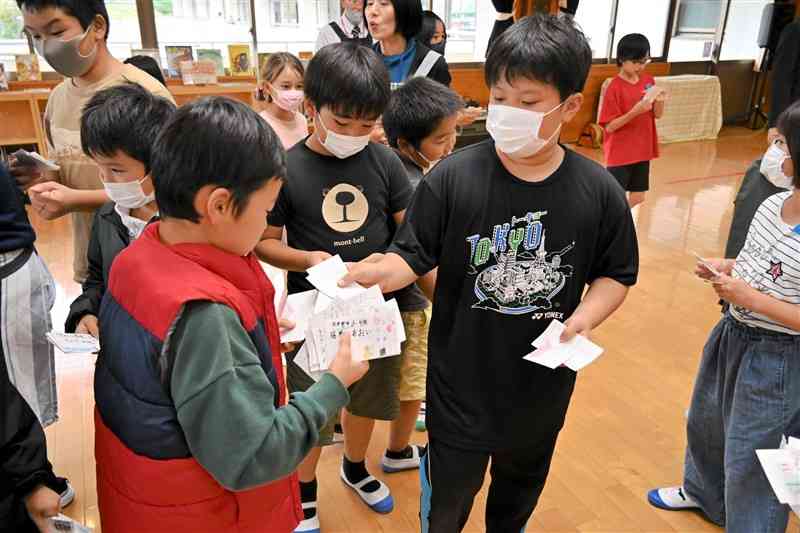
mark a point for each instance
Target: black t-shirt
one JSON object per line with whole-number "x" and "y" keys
{"x": 341, "y": 206}
{"x": 512, "y": 257}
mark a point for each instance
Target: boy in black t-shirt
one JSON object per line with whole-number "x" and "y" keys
{"x": 343, "y": 195}
{"x": 420, "y": 124}
{"x": 518, "y": 227}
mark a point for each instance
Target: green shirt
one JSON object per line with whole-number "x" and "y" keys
{"x": 225, "y": 402}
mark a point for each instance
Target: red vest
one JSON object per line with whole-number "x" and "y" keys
{"x": 151, "y": 282}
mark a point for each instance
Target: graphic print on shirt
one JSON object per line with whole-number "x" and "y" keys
{"x": 344, "y": 208}
{"x": 775, "y": 270}
{"x": 525, "y": 277}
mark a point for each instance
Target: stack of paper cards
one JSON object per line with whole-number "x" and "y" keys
{"x": 70, "y": 343}
{"x": 321, "y": 317}
{"x": 552, "y": 353}
{"x": 782, "y": 468}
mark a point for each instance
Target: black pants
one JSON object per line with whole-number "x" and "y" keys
{"x": 451, "y": 478}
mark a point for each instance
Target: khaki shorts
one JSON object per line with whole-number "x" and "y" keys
{"x": 415, "y": 357}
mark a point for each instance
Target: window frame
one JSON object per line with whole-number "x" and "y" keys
{"x": 272, "y": 22}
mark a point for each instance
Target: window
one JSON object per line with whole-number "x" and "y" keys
{"x": 648, "y": 18}
{"x": 125, "y": 34}
{"x": 697, "y": 17}
{"x": 186, "y": 22}
{"x": 284, "y": 13}
{"x": 741, "y": 30}
{"x": 594, "y": 18}
{"x": 12, "y": 41}
{"x": 299, "y": 36}
{"x": 469, "y": 24}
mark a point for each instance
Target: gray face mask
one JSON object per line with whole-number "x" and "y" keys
{"x": 65, "y": 56}
{"x": 356, "y": 18}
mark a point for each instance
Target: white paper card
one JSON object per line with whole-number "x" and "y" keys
{"x": 552, "y": 353}
{"x": 65, "y": 524}
{"x": 299, "y": 309}
{"x": 71, "y": 343}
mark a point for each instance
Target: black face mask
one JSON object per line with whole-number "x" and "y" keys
{"x": 438, "y": 47}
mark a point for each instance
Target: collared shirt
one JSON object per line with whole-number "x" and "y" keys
{"x": 327, "y": 36}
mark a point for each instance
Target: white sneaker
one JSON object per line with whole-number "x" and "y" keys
{"x": 68, "y": 495}
{"x": 309, "y": 525}
{"x": 671, "y": 499}
{"x": 380, "y": 501}
{"x": 391, "y": 466}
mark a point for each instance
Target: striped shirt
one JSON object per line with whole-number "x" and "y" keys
{"x": 770, "y": 262}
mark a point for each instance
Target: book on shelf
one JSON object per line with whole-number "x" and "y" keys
{"x": 28, "y": 67}
{"x": 175, "y": 55}
{"x": 213, "y": 55}
{"x": 203, "y": 72}
{"x": 241, "y": 63}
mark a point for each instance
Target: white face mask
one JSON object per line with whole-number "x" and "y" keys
{"x": 129, "y": 195}
{"x": 772, "y": 167}
{"x": 516, "y": 131}
{"x": 342, "y": 146}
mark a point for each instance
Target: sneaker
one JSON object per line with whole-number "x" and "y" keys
{"x": 338, "y": 434}
{"x": 309, "y": 525}
{"x": 380, "y": 501}
{"x": 671, "y": 499}
{"x": 420, "y": 426}
{"x": 65, "y": 491}
{"x": 410, "y": 462}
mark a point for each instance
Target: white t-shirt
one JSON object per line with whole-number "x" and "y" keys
{"x": 770, "y": 262}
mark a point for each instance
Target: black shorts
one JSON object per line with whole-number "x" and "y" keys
{"x": 634, "y": 177}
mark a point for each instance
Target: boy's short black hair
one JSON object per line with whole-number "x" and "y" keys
{"x": 407, "y": 17}
{"x": 541, "y": 47}
{"x": 149, "y": 65}
{"x": 416, "y": 110}
{"x": 429, "y": 20}
{"x": 632, "y": 47}
{"x": 789, "y": 126}
{"x": 124, "y": 118}
{"x": 83, "y": 10}
{"x": 213, "y": 141}
{"x": 350, "y": 79}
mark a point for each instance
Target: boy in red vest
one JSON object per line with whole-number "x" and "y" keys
{"x": 193, "y": 430}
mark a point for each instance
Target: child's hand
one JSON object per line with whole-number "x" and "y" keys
{"x": 315, "y": 258}
{"x": 52, "y": 200}
{"x": 643, "y": 106}
{"x": 89, "y": 326}
{"x": 42, "y": 504}
{"x": 734, "y": 291}
{"x": 576, "y": 325}
{"x": 286, "y": 325}
{"x": 723, "y": 266}
{"x": 366, "y": 272}
{"x": 25, "y": 175}
{"x": 344, "y": 367}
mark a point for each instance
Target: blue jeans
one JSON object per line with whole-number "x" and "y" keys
{"x": 747, "y": 395}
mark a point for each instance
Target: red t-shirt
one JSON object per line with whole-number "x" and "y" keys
{"x": 636, "y": 141}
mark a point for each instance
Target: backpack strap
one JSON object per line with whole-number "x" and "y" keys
{"x": 339, "y": 32}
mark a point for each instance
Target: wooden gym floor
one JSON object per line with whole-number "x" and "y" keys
{"x": 625, "y": 429}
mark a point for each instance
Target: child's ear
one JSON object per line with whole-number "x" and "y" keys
{"x": 311, "y": 111}
{"x": 219, "y": 205}
{"x": 572, "y": 105}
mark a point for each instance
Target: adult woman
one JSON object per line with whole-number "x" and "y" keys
{"x": 394, "y": 25}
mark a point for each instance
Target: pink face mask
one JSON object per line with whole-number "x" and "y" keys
{"x": 289, "y": 100}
